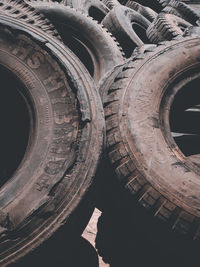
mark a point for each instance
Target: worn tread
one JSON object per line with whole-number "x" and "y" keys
{"x": 22, "y": 11}
{"x": 150, "y": 198}
{"x": 162, "y": 28}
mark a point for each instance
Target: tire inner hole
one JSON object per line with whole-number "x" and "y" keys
{"x": 73, "y": 39}
{"x": 96, "y": 13}
{"x": 185, "y": 118}
{"x": 141, "y": 32}
{"x": 15, "y": 124}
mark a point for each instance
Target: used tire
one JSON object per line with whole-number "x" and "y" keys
{"x": 110, "y": 3}
{"x": 128, "y": 26}
{"x": 92, "y": 43}
{"x": 27, "y": 14}
{"x": 65, "y": 140}
{"x": 193, "y": 30}
{"x": 185, "y": 10}
{"x": 171, "y": 10}
{"x": 145, "y": 156}
{"x": 166, "y": 27}
{"x": 147, "y": 12}
{"x": 94, "y": 8}
{"x": 111, "y": 77}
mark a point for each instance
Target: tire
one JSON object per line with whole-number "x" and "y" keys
{"x": 166, "y": 27}
{"x": 94, "y": 46}
{"x": 110, "y": 78}
{"x": 171, "y": 10}
{"x": 185, "y": 10}
{"x": 27, "y": 14}
{"x": 128, "y": 26}
{"x": 147, "y": 12}
{"x": 105, "y": 84}
{"x": 111, "y": 3}
{"x": 95, "y": 8}
{"x": 140, "y": 145}
{"x": 155, "y": 5}
{"x": 193, "y": 30}
{"x": 195, "y": 159}
{"x": 66, "y": 132}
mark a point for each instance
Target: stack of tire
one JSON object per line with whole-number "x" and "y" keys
{"x": 86, "y": 78}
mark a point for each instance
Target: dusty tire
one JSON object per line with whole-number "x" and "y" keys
{"x": 193, "y": 30}
{"x": 166, "y": 27}
{"x": 111, "y": 77}
{"x": 141, "y": 148}
{"x": 66, "y": 127}
{"x": 94, "y": 46}
{"x": 110, "y": 3}
{"x": 23, "y": 12}
{"x": 147, "y": 12}
{"x": 95, "y": 8}
{"x": 185, "y": 10}
{"x": 128, "y": 26}
{"x": 155, "y": 5}
{"x": 171, "y": 10}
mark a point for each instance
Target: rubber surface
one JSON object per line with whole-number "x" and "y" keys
{"x": 166, "y": 27}
{"x": 147, "y": 12}
{"x": 128, "y": 26}
{"x": 49, "y": 187}
{"x": 94, "y": 45}
{"x": 20, "y": 10}
{"x": 185, "y": 10}
{"x": 94, "y": 8}
{"x": 145, "y": 157}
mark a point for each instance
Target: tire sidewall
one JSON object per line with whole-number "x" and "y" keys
{"x": 141, "y": 126}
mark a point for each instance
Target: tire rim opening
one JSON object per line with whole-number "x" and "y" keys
{"x": 71, "y": 38}
{"x": 96, "y": 14}
{"x": 185, "y": 117}
{"x": 15, "y": 124}
{"x": 141, "y": 32}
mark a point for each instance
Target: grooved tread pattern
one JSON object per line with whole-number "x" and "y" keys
{"x": 187, "y": 12}
{"x": 22, "y": 11}
{"x": 125, "y": 167}
{"x": 166, "y": 27}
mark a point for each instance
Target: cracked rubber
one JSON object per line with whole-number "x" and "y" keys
{"x": 140, "y": 146}
{"x": 93, "y": 44}
{"x": 55, "y": 177}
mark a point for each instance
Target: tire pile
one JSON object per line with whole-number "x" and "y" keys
{"x": 90, "y": 78}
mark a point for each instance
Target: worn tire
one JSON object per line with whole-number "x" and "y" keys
{"x": 140, "y": 145}
{"x": 92, "y": 43}
{"x": 145, "y": 11}
{"x": 128, "y": 26}
{"x": 155, "y": 5}
{"x": 94, "y": 8}
{"x": 166, "y": 27}
{"x": 27, "y": 14}
{"x": 110, "y": 3}
{"x": 185, "y": 10}
{"x": 193, "y": 30}
{"x": 111, "y": 77}
{"x": 66, "y": 136}
{"x": 171, "y": 10}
